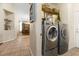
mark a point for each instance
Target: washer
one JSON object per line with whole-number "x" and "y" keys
{"x": 50, "y": 39}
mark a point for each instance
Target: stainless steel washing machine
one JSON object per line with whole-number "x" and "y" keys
{"x": 63, "y": 38}
{"x": 50, "y": 39}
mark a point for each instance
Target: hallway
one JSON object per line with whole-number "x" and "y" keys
{"x": 18, "y": 47}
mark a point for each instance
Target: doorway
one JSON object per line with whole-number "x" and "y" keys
{"x": 24, "y": 27}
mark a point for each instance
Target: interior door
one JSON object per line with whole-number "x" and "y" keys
{"x": 76, "y": 28}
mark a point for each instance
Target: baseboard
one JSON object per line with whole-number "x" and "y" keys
{"x": 7, "y": 41}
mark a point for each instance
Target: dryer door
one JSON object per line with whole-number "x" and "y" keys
{"x": 52, "y": 33}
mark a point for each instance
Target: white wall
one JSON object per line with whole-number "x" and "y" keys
{"x": 1, "y": 23}
{"x": 5, "y": 35}
{"x": 35, "y": 37}
{"x": 38, "y": 23}
{"x": 75, "y": 16}
{"x": 7, "y": 6}
{"x": 21, "y": 12}
{"x": 71, "y": 27}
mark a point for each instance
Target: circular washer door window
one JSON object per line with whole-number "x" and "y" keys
{"x": 52, "y": 33}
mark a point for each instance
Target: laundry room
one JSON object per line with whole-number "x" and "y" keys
{"x": 52, "y": 29}
{"x": 55, "y": 36}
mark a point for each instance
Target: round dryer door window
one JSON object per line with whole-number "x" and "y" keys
{"x": 52, "y": 33}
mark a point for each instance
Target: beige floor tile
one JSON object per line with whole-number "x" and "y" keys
{"x": 72, "y": 52}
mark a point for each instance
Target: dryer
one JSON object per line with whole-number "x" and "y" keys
{"x": 63, "y": 38}
{"x": 50, "y": 39}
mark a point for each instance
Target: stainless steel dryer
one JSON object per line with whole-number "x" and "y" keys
{"x": 63, "y": 38}
{"x": 50, "y": 39}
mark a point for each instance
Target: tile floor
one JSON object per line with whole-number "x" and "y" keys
{"x": 18, "y": 47}
{"x": 21, "y": 47}
{"x": 72, "y": 52}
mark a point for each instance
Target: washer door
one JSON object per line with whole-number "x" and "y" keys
{"x": 52, "y": 33}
